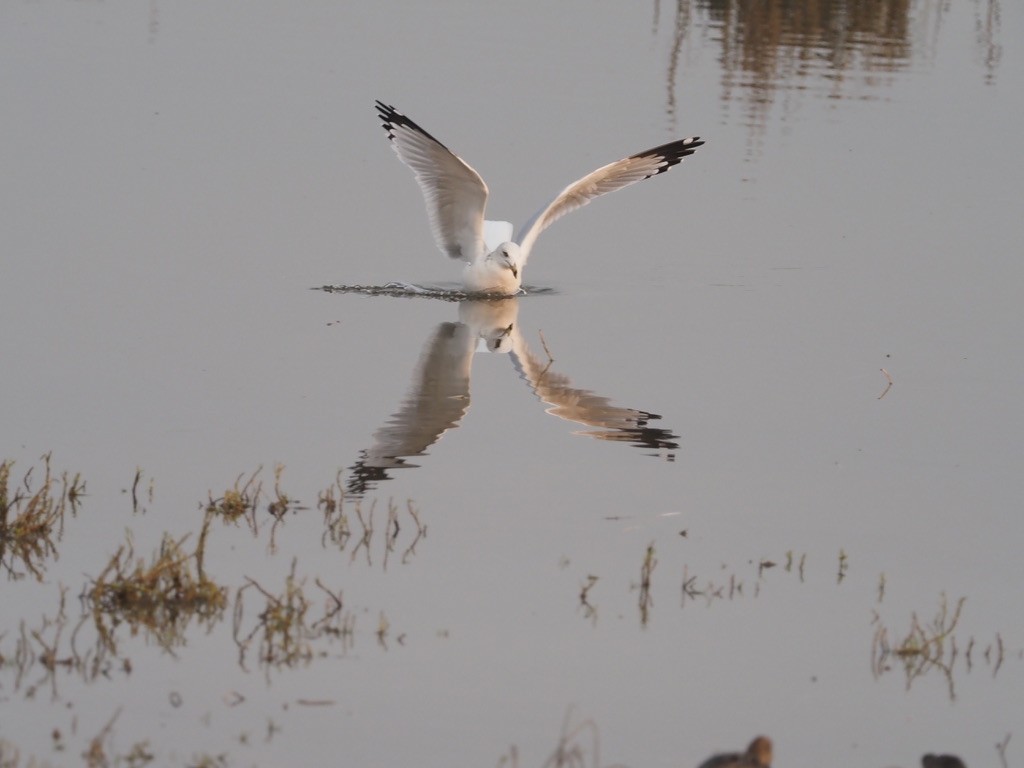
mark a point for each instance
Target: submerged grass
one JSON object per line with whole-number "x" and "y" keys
{"x": 239, "y": 500}
{"x": 166, "y": 592}
{"x": 285, "y": 629}
{"x": 162, "y": 595}
{"x": 338, "y": 528}
{"x": 931, "y": 647}
{"x": 31, "y": 518}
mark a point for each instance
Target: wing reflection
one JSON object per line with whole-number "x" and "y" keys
{"x": 583, "y": 407}
{"x": 437, "y": 400}
{"x": 439, "y": 395}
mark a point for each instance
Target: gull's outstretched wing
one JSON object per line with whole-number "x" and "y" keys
{"x": 607, "y": 179}
{"x": 582, "y": 406}
{"x": 455, "y": 194}
{"x": 437, "y": 400}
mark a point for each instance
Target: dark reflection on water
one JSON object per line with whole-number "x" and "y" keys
{"x": 840, "y": 49}
{"x": 439, "y": 395}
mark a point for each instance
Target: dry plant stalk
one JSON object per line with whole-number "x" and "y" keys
{"x": 162, "y": 595}
{"x": 29, "y": 519}
{"x": 285, "y": 633}
{"x": 924, "y": 648}
{"x": 645, "y": 600}
{"x": 240, "y": 499}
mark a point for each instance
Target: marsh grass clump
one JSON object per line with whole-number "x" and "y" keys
{"x": 239, "y": 500}
{"x": 284, "y": 635}
{"x": 285, "y": 628}
{"x": 31, "y": 518}
{"x": 930, "y": 647}
{"x": 162, "y": 595}
{"x": 281, "y": 502}
{"x": 242, "y": 501}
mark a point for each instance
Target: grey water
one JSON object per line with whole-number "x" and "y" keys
{"x": 759, "y": 430}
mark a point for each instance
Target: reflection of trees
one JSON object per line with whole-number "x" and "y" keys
{"x": 986, "y": 25}
{"x": 840, "y": 48}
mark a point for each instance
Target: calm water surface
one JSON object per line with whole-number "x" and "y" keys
{"x": 665, "y": 504}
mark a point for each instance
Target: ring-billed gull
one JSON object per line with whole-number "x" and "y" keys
{"x": 456, "y": 197}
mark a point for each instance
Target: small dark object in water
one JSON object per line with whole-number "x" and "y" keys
{"x": 942, "y": 761}
{"x": 758, "y": 755}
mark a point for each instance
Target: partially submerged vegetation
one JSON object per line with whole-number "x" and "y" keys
{"x": 32, "y": 517}
{"x": 239, "y": 500}
{"x": 163, "y": 595}
{"x": 711, "y": 590}
{"x": 285, "y": 629}
{"x": 277, "y": 627}
{"x": 338, "y": 530}
{"x": 927, "y": 647}
{"x": 932, "y": 647}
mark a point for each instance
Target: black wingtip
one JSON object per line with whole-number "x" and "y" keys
{"x": 672, "y": 153}
{"x": 392, "y": 120}
{"x": 389, "y": 117}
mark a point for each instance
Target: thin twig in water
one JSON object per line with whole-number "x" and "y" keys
{"x": 887, "y": 386}
{"x": 589, "y": 611}
{"x": 645, "y": 601}
{"x": 544, "y": 344}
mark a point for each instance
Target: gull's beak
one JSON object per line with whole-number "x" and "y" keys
{"x": 515, "y": 272}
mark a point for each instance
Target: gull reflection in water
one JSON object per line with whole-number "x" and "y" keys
{"x": 439, "y": 395}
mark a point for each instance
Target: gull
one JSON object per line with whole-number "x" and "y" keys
{"x": 456, "y": 197}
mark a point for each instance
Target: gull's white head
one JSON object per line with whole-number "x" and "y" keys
{"x": 508, "y": 255}
{"x": 500, "y": 271}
